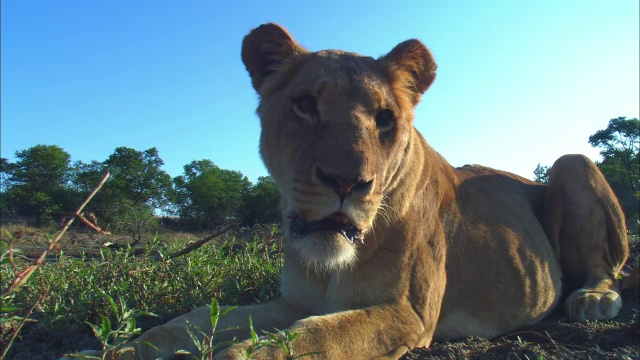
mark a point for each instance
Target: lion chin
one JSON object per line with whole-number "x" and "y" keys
{"x": 324, "y": 250}
{"x": 326, "y": 244}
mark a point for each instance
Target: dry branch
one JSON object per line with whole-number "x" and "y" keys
{"x": 199, "y": 243}
{"x": 91, "y": 222}
{"x": 22, "y": 277}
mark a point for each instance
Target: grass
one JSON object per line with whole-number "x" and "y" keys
{"x": 69, "y": 289}
{"x": 241, "y": 267}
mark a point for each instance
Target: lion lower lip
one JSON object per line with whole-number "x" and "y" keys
{"x": 300, "y": 227}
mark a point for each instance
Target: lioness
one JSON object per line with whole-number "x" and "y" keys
{"x": 387, "y": 246}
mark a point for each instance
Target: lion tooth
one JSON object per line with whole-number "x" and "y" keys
{"x": 344, "y": 233}
{"x": 352, "y": 236}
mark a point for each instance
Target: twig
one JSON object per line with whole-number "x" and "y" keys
{"x": 199, "y": 243}
{"x": 550, "y": 338}
{"x": 92, "y": 222}
{"x": 525, "y": 333}
{"x": 20, "y": 325}
{"x": 66, "y": 226}
{"x": 25, "y": 274}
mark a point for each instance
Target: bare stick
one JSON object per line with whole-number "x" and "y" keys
{"x": 199, "y": 243}
{"x": 68, "y": 223}
{"x": 93, "y": 224}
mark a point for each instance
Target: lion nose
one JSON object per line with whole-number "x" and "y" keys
{"x": 343, "y": 187}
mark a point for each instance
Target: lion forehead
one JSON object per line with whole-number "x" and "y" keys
{"x": 350, "y": 74}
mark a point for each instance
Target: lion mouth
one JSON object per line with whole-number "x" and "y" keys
{"x": 336, "y": 222}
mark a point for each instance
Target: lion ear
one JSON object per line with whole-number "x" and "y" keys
{"x": 265, "y": 49}
{"x": 411, "y": 69}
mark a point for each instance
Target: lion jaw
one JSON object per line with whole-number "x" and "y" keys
{"x": 329, "y": 242}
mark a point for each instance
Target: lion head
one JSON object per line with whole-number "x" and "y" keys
{"x": 336, "y": 127}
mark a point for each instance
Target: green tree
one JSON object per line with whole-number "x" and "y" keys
{"x": 136, "y": 176}
{"x": 262, "y": 203}
{"x": 5, "y": 174}
{"x": 137, "y": 187}
{"x": 86, "y": 176}
{"x": 541, "y": 174}
{"x": 619, "y": 144}
{"x": 208, "y": 195}
{"x": 37, "y": 181}
{"x": 41, "y": 167}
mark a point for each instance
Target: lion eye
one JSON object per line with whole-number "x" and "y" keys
{"x": 305, "y": 104}
{"x": 385, "y": 120}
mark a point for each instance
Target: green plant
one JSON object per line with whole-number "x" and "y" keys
{"x": 231, "y": 274}
{"x": 523, "y": 342}
{"x": 280, "y": 338}
{"x": 205, "y": 346}
{"x": 135, "y": 220}
{"x": 112, "y": 337}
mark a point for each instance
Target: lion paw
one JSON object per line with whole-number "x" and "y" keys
{"x": 587, "y": 304}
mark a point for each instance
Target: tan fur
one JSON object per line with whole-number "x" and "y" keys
{"x": 447, "y": 253}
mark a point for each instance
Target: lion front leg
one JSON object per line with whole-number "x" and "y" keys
{"x": 184, "y": 332}
{"x": 377, "y": 332}
{"x": 233, "y": 326}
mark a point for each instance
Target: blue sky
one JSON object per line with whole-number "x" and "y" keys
{"x": 518, "y": 82}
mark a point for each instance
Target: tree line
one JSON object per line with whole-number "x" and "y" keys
{"x": 44, "y": 184}
{"x": 620, "y": 164}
